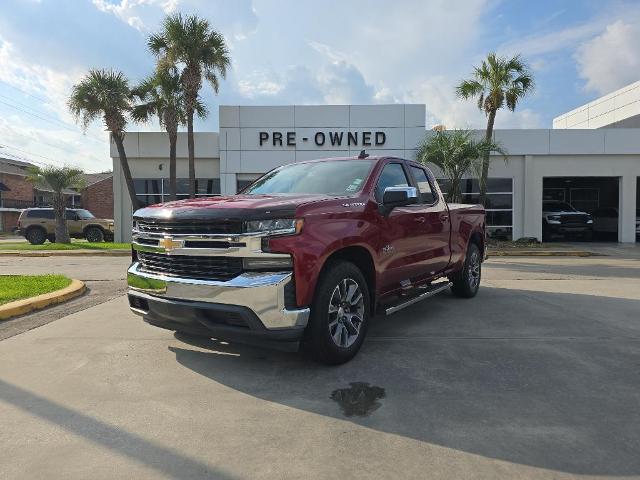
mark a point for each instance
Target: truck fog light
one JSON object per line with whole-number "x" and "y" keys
{"x": 283, "y": 263}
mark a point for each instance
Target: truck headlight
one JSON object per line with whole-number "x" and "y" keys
{"x": 554, "y": 217}
{"x": 282, "y": 226}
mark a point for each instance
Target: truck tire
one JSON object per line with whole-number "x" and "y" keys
{"x": 467, "y": 281}
{"x": 339, "y": 314}
{"x": 36, "y": 236}
{"x": 51, "y": 238}
{"x": 94, "y": 235}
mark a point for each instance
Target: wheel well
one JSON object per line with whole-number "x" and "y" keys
{"x": 92, "y": 226}
{"x": 35, "y": 227}
{"x": 362, "y": 259}
{"x": 478, "y": 239}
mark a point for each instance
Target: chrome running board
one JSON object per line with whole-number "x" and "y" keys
{"x": 430, "y": 291}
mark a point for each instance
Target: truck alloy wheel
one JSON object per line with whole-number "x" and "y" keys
{"x": 346, "y": 313}
{"x": 473, "y": 270}
{"x": 339, "y": 314}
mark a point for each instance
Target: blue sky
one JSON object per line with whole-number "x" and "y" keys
{"x": 310, "y": 52}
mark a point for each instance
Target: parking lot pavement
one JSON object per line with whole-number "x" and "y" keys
{"x": 537, "y": 377}
{"x": 104, "y": 277}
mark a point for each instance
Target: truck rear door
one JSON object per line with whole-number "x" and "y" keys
{"x": 434, "y": 224}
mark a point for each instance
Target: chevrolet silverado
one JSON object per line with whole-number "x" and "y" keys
{"x": 305, "y": 255}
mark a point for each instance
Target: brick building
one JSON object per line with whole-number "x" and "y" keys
{"x": 17, "y": 193}
{"x": 97, "y": 196}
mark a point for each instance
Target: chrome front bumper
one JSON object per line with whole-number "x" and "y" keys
{"x": 261, "y": 292}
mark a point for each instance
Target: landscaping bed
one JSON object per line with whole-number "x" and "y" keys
{"x": 17, "y": 287}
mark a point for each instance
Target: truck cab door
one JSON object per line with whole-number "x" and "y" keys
{"x": 400, "y": 239}
{"x": 434, "y": 224}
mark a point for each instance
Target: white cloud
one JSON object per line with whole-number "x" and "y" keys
{"x": 443, "y": 108}
{"x": 611, "y": 60}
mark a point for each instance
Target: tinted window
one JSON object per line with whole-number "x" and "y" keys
{"x": 40, "y": 214}
{"x": 70, "y": 215}
{"x": 339, "y": 177}
{"x": 424, "y": 187}
{"x": 392, "y": 176}
{"x": 147, "y": 186}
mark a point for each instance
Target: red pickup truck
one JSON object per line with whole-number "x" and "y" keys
{"x": 305, "y": 255}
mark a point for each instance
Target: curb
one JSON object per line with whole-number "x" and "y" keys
{"x": 540, "y": 253}
{"x": 26, "y": 305}
{"x": 64, "y": 253}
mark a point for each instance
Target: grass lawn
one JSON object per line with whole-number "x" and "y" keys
{"x": 16, "y": 287}
{"x": 74, "y": 245}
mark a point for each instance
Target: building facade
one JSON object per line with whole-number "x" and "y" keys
{"x": 595, "y": 168}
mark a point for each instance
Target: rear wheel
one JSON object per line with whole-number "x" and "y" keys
{"x": 94, "y": 234}
{"x": 339, "y": 314}
{"x": 467, "y": 281}
{"x": 36, "y": 236}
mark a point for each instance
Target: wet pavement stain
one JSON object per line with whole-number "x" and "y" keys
{"x": 359, "y": 400}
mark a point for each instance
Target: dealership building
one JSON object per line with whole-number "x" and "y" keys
{"x": 590, "y": 159}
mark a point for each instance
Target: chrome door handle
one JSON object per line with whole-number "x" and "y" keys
{"x": 444, "y": 217}
{"x": 420, "y": 219}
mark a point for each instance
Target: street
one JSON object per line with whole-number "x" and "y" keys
{"x": 537, "y": 377}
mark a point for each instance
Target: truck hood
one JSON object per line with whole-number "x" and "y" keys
{"x": 241, "y": 207}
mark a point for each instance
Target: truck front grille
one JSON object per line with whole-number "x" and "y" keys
{"x": 200, "y": 267}
{"x": 574, "y": 219}
{"x": 224, "y": 227}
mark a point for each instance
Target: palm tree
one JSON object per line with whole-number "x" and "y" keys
{"x": 162, "y": 96}
{"x": 106, "y": 94}
{"x": 189, "y": 46}
{"x": 455, "y": 153}
{"x": 58, "y": 180}
{"x": 498, "y": 81}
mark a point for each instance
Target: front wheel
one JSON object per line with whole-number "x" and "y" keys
{"x": 339, "y": 314}
{"x": 94, "y": 235}
{"x": 36, "y": 236}
{"x": 467, "y": 281}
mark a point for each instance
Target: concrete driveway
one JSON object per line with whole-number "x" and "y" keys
{"x": 537, "y": 377}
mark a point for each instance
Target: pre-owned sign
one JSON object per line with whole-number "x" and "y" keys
{"x": 320, "y": 138}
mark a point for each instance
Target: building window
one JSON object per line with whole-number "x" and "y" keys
{"x": 156, "y": 190}
{"x": 499, "y": 203}
{"x": 243, "y": 180}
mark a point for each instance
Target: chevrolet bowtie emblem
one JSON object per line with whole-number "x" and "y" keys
{"x": 169, "y": 243}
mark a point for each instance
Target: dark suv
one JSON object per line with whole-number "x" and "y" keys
{"x": 39, "y": 224}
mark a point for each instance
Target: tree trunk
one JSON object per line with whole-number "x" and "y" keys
{"x": 62, "y": 232}
{"x": 191, "y": 148}
{"x": 124, "y": 164}
{"x": 485, "y": 160}
{"x": 173, "y": 140}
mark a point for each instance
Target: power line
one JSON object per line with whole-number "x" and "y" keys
{"x": 52, "y": 120}
{"x": 24, "y": 91}
{"x": 56, "y": 163}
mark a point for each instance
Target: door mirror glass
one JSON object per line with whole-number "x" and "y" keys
{"x": 399, "y": 196}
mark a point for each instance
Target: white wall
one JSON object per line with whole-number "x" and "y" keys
{"x": 619, "y": 109}
{"x": 240, "y": 127}
{"x": 146, "y": 152}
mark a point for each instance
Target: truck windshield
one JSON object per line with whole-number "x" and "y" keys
{"x": 339, "y": 177}
{"x": 84, "y": 214}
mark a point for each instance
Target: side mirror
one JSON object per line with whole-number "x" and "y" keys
{"x": 399, "y": 197}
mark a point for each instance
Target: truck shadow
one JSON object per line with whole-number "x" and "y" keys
{"x": 555, "y": 387}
